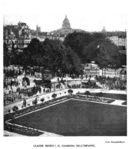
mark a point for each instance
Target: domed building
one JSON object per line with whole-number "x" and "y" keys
{"x": 66, "y": 23}
{"x": 64, "y": 30}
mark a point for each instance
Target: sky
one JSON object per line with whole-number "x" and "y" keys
{"x": 89, "y": 15}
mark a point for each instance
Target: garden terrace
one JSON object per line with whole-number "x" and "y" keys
{"x": 77, "y": 118}
{"x": 34, "y": 107}
{"x": 19, "y": 116}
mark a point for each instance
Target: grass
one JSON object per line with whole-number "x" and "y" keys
{"x": 78, "y": 118}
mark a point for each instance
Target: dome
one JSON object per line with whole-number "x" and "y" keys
{"x": 66, "y": 23}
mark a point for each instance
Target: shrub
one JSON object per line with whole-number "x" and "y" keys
{"x": 54, "y": 95}
{"x": 99, "y": 94}
{"x": 24, "y": 103}
{"x": 34, "y": 102}
{"x": 70, "y": 91}
{"x": 15, "y": 108}
{"x": 9, "y": 111}
{"x": 42, "y": 100}
{"x": 30, "y": 93}
{"x": 87, "y": 93}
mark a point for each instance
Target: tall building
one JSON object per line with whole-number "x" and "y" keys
{"x": 38, "y": 29}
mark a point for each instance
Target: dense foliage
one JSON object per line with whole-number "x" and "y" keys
{"x": 67, "y": 57}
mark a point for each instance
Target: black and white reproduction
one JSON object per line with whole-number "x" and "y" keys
{"x": 64, "y": 69}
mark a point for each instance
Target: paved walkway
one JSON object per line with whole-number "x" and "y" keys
{"x": 100, "y": 90}
{"x": 48, "y": 96}
{"x": 116, "y": 102}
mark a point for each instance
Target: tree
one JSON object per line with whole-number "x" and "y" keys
{"x": 35, "y": 101}
{"x": 54, "y": 55}
{"x": 90, "y": 52}
{"x": 24, "y": 103}
{"x": 26, "y": 79}
{"x": 47, "y": 84}
{"x": 60, "y": 59}
{"x": 108, "y": 56}
{"x": 122, "y": 59}
{"x": 100, "y": 94}
{"x": 6, "y": 55}
{"x": 104, "y": 52}
{"x": 98, "y": 36}
{"x": 70, "y": 91}
{"x": 29, "y": 53}
{"x": 35, "y": 46}
{"x": 92, "y": 49}
{"x": 77, "y": 41}
{"x": 87, "y": 93}
{"x": 71, "y": 62}
{"x": 42, "y": 100}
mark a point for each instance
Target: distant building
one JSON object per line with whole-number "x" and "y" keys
{"x": 64, "y": 30}
{"x": 119, "y": 41}
{"x": 17, "y": 36}
{"x": 66, "y": 24}
{"x": 58, "y": 34}
{"x": 38, "y": 29}
{"x": 20, "y": 35}
{"x": 117, "y": 37}
{"x": 93, "y": 70}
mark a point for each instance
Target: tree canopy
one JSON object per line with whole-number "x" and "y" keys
{"x": 6, "y": 55}
{"x": 67, "y": 57}
{"x": 52, "y": 55}
{"x": 108, "y": 55}
{"x": 77, "y": 41}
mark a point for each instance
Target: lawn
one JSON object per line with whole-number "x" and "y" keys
{"x": 79, "y": 118}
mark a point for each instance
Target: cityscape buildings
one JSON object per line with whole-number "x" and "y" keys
{"x": 20, "y": 35}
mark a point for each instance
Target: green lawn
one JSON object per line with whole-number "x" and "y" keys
{"x": 79, "y": 118}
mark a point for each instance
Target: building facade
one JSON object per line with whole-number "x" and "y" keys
{"x": 17, "y": 36}
{"x": 93, "y": 70}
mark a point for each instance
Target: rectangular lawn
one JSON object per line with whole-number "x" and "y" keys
{"x": 79, "y": 118}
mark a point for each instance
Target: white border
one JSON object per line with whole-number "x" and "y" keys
{"x": 28, "y": 142}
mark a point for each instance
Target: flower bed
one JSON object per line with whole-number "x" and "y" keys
{"x": 94, "y": 98}
{"x": 107, "y": 95}
{"x": 22, "y": 130}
